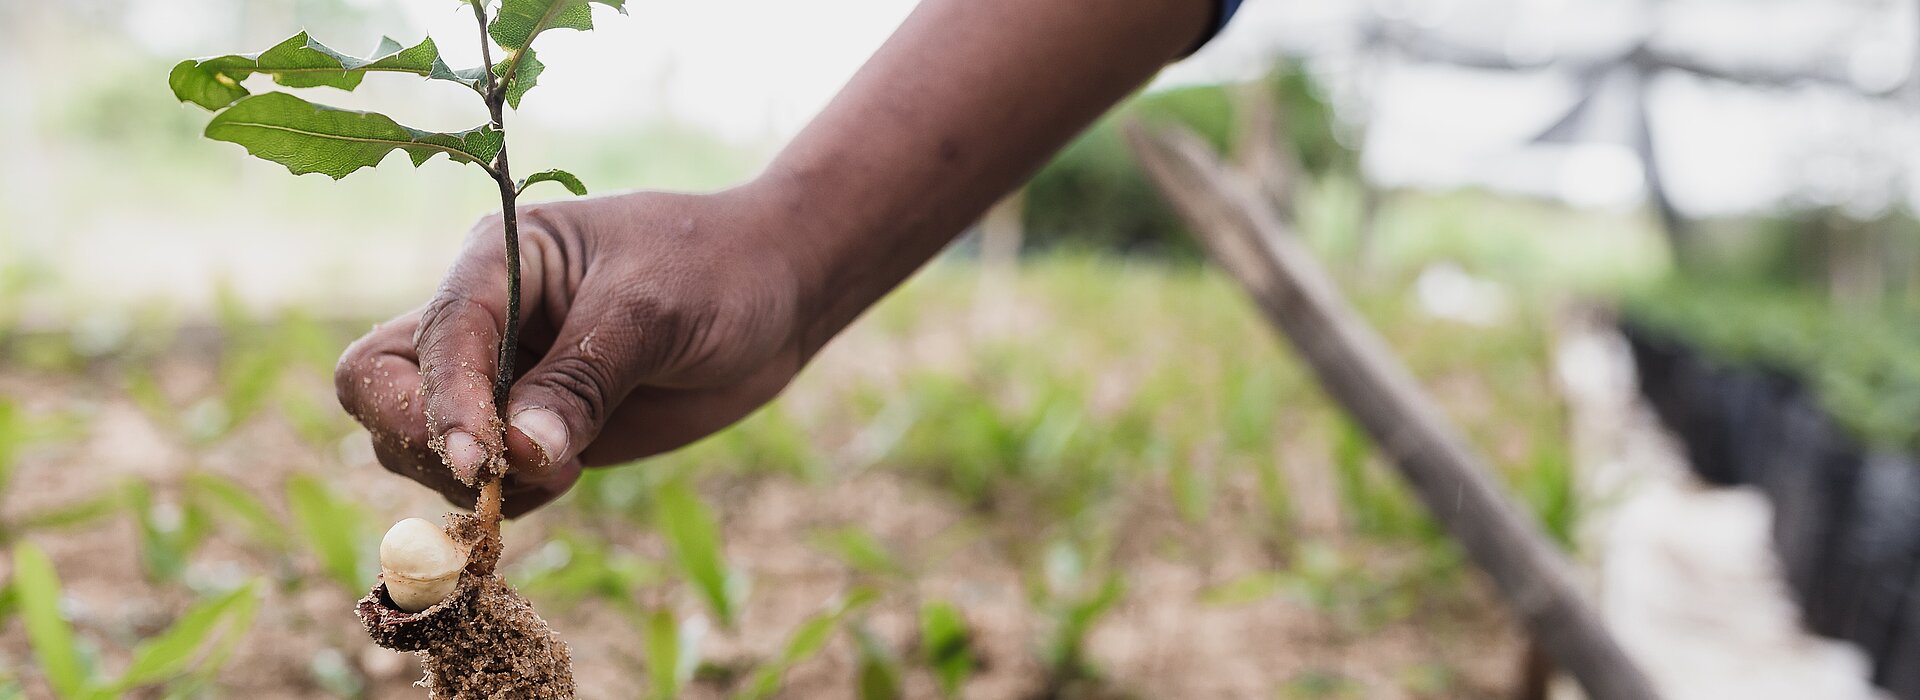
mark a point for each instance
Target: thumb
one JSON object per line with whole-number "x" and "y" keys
{"x": 560, "y": 405}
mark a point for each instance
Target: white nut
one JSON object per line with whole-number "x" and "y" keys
{"x": 419, "y": 564}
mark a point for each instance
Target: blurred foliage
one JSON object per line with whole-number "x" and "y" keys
{"x": 1861, "y": 360}
{"x": 1094, "y": 196}
{"x": 180, "y": 659}
{"x": 1159, "y": 401}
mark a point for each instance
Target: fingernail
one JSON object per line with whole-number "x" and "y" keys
{"x": 545, "y": 429}
{"x": 465, "y": 455}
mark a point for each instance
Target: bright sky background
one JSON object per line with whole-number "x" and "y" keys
{"x": 754, "y": 71}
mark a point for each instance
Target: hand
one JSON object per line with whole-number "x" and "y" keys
{"x": 648, "y": 322}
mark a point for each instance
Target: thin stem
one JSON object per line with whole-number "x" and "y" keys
{"x": 486, "y": 52}
{"x": 488, "y": 507}
{"x": 509, "y": 339}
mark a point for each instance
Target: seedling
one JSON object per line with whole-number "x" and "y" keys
{"x": 311, "y": 138}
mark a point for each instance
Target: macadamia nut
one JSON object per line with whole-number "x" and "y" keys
{"x": 419, "y": 564}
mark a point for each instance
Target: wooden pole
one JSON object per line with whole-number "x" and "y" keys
{"x": 1244, "y": 235}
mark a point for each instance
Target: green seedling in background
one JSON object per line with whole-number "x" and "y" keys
{"x": 690, "y": 528}
{"x": 336, "y": 529}
{"x": 946, "y": 646}
{"x": 805, "y": 642}
{"x": 181, "y": 659}
{"x": 880, "y": 674}
{"x": 17, "y": 431}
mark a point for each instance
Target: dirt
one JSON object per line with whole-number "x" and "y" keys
{"x": 483, "y": 642}
{"x": 1166, "y": 638}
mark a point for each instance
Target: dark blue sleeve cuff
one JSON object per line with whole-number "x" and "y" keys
{"x": 1222, "y": 12}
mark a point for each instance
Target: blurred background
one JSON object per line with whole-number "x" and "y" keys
{"x": 1657, "y": 258}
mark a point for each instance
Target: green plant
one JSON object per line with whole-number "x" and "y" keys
{"x": 697, "y": 551}
{"x": 880, "y": 674}
{"x": 673, "y": 651}
{"x": 180, "y": 659}
{"x": 946, "y": 646}
{"x": 1077, "y": 597}
{"x": 311, "y": 138}
{"x": 336, "y": 529}
{"x": 169, "y": 532}
{"x": 17, "y": 431}
{"x": 805, "y": 641}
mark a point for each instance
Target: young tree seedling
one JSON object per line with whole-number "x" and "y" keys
{"x": 440, "y": 595}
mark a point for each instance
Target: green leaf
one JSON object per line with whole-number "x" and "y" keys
{"x": 223, "y": 496}
{"x": 695, "y": 537}
{"x": 566, "y": 179}
{"x": 807, "y": 640}
{"x": 71, "y": 514}
{"x": 9, "y": 601}
{"x": 172, "y": 653}
{"x": 310, "y": 138}
{"x": 38, "y": 590}
{"x": 947, "y": 645}
{"x": 333, "y": 528}
{"x": 300, "y": 62}
{"x": 860, "y": 550}
{"x": 13, "y": 435}
{"x": 663, "y": 654}
{"x": 526, "y": 69}
{"x": 518, "y": 22}
{"x": 168, "y": 539}
{"x": 880, "y": 675}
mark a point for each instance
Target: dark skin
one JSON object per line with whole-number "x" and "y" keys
{"x": 653, "y": 320}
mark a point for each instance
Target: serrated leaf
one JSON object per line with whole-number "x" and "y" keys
{"x": 310, "y": 138}
{"x": 299, "y": 62}
{"x": 172, "y": 652}
{"x": 527, "y": 69}
{"x": 518, "y": 22}
{"x": 566, "y": 179}
{"x": 37, "y": 588}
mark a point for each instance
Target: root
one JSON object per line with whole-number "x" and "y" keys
{"x": 483, "y": 642}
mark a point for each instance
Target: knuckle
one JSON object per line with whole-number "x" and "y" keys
{"x": 349, "y": 373}
{"x": 445, "y": 313}
{"x": 581, "y": 382}
{"x": 487, "y": 226}
{"x": 345, "y": 372}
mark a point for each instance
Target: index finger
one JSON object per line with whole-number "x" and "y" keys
{"x": 378, "y": 383}
{"x": 458, "y": 343}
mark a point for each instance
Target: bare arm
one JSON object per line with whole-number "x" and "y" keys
{"x": 653, "y": 320}
{"x": 966, "y": 100}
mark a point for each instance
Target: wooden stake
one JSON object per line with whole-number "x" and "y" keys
{"x": 1242, "y": 232}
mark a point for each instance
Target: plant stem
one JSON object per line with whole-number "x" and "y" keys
{"x": 488, "y": 506}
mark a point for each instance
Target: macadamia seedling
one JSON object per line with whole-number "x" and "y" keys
{"x": 420, "y": 564}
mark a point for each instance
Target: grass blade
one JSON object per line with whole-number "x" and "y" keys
{"x": 37, "y": 587}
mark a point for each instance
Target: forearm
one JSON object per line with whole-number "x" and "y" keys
{"x": 962, "y": 104}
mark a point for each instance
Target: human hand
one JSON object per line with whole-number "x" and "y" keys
{"x": 648, "y": 321}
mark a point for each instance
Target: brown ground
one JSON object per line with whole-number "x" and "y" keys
{"x": 1194, "y": 621}
{"x": 1162, "y": 641}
